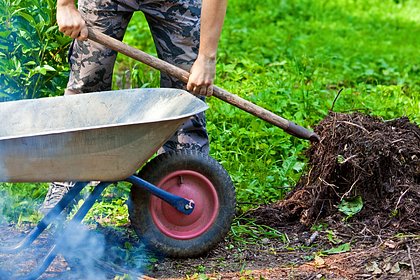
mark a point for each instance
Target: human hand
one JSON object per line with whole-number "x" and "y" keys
{"x": 70, "y": 22}
{"x": 202, "y": 75}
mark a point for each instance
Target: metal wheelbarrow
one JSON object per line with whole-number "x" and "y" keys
{"x": 182, "y": 203}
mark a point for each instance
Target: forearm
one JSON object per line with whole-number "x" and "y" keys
{"x": 212, "y": 18}
{"x": 65, "y": 3}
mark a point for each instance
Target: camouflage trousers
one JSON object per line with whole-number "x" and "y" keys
{"x": 175, "y": 27}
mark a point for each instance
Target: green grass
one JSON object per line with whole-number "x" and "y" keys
{"x": 293, "y": 57}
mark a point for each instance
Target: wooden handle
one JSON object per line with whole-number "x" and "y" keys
{"x": 220, "y": 93}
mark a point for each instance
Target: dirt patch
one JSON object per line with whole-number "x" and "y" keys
{"x": 292, "y": 257}
{"x": 303, "y": 256}
{"x": 358, "y": 157}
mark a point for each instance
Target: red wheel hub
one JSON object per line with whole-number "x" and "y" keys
{"x": 190, "y": 185}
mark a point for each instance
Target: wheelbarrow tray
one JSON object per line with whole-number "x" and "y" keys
{"x": 101, "y": 136}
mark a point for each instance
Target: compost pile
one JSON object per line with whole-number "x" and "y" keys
{"x": 362, "y": 157}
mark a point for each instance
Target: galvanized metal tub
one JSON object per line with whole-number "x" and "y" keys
{"x": 102, "y": 136}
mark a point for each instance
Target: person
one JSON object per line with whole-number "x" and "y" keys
{"x": 186, "y": 34}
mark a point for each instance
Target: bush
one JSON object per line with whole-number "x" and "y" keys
{"x": 32, "y": 50}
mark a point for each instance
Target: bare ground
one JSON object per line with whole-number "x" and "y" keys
{"x": 370, "y": 256}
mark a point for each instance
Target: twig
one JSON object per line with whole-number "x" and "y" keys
{"x": 335, "y": 99}
{"x": 334, "y": 126}
{"x": 356, "y": 125}
{"x": 309, "y": 176}
{"x": 413, "y": 269}
{"x": 351, "y": 188}
{"x": 333, "y": 187}
{"x": 415, "y": 236}
{"x": 364, "y": 276}
{"x": 396, "y": 141}
{"x": 349, "y": 158}
{"x": 367, "y": 229}
{"x": 319, "y": 213}
{"x": 312, "y": 238}
{"x": 355, "y": 110}
{"x": 399, "y": 199}
{"x": 326, "y": 183}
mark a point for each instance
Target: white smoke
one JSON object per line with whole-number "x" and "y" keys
{"x": 91, "y": 254}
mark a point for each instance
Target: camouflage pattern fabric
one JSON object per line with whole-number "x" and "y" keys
{"x": 175, "y": 27}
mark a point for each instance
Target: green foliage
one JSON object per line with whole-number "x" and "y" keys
{"x": 345, "y": 247}
{"x": 18, "y": 201}
{"x": 319, "y": 227}
{"x": 332, "y": 237}
{"x": 351, "y": 206}
{"x": 246, "y": 231}
{"x": 112, "y": 209}
{"x": 32, "y": 50}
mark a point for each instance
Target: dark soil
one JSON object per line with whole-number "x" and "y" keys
{"x": 358, "y": 156}
{"x": 361, "y": 156}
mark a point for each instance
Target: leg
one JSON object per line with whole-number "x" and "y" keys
{"x": 175, "y": 26}
{"x": 56, "y": 191}
{"x": 91, "y": 63}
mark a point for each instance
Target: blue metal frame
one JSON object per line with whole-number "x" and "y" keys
{"x": 48, "y": 219}
{"x": 181, "y": 204}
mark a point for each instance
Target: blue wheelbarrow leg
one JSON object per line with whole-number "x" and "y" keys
{"x": 55, "y": 249}
{"x": 181, "y": 204}
{"x": 47, "y": 220}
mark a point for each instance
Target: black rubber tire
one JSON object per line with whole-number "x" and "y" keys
{"x": 154, "y": 172}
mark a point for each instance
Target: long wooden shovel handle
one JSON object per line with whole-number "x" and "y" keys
{"x": 220, "y": 93}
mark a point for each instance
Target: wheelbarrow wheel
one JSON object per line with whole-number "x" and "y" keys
{"x": 192, "y": 175}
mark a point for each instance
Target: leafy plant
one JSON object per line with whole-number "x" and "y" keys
{"x": 332, "y": 237}
{"x": 18, "y": 202}
{"x": 319, "y": 227}
{"x": 32, "y": 50}
{"x": 351, "y": 206}
{"x": 345, "y": 247}
{"x": 245, "y": 231}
